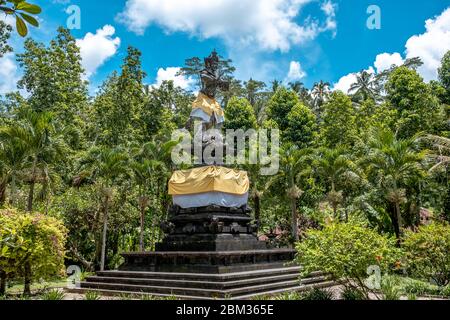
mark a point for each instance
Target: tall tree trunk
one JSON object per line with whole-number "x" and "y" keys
{"x": 27, "y": 279}
{"x": 141, "y": 235}
{"x": 2, "y": 283}
{"x": 31, "y": 193}
{"x": 105, "y": 228}
{"x": 3, "y": 192}
{"x": 12, "y": 200}
{"x": 257, "y": 201}
{"x": 395, "y": 221}
{"x": 399, "y": 221}
{"x": 294, "y": 219}
{"x": 30, "y": 197}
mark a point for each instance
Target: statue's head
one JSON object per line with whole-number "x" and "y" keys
{"x": 212, "y": 62}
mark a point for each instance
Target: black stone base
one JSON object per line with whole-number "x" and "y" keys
{"x": 207, "y": 262}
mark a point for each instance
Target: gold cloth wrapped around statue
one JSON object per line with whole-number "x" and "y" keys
{"x": 205, "y": 108}
{"x": 209, "y": 179}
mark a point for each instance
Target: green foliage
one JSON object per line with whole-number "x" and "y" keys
{"x": 302, "y": 126}
{"x": 318, "y": 294}
{"x": 427, "y": 253}
{"x": 5, "y": 33}
{"x": 351, "y": 294}
{"x": 444, "y": 74}
{"x": 345, "y": 251}
{"x": 54, "y": 294}
{"x": 239, "y": 114}
{"x": 22, "y": 10}
{"x": 390, "y": 288}
{"x": 280, "y": 106}
{"x": 418, "y": 288}
{"x": 339, "y": 121}
{"x": 412, "y": 98}
{"x": 31, "y": 245}
{"x": 91, "y": 295}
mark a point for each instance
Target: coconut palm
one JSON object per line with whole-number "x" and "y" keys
{"x": 294, "y": 165}
{"x": 335, "y": 167}
{"x": 105, "y": 166}
{"x": 392, "y": 164}
{"x": 366, "y": 86}
{"x": 320, "y": 93}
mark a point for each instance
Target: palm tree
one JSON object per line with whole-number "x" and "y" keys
{"x": 303, "y": 93}
{"x": 335, "y": 167}
{"x": 147, "y": 164}
{"x": 392, "y": 164}
{"x": 366, "y": 86}
{"x": 34, "y": 137}
{"x": 105, "y": 165}
{"x": 294, "y": 165}
{"x": 320, "y": 93}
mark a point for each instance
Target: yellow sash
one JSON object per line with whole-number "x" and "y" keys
{"x": 208, "y": 105}
{"x": 209, "y": 179}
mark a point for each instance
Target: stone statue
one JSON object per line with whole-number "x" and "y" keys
{"x": 205, "y": 109}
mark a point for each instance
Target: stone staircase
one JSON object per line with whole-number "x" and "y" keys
{"x": 239, "y": 285}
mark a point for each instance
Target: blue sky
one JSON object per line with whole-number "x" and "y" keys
{"x": 305, "y": 40}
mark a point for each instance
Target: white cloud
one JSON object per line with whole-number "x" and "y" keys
{"x": 266, "y": 24}
{"x": 171, "y": 74}
{"x": 346, "y": 82}
{"x": 97, "y": 48}
{"x": 385, "y": 61}
{"x": 8, "y": 74}
{"x": 295, "y": 72}
{"x": 431, "y": 45}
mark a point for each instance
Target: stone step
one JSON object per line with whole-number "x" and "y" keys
{"x": 180, "y": 283}
{"x": 203, "y": 277}
{"x": 188, "y": 290}
{"x": 136, "y": 294}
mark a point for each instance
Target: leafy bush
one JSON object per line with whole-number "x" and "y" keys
{"x": 345, "y": 251}
{"x": 446, "y": 291}
{"x": 318, "y": 294}
{"x": 351, "y": 293}
{"x": 31, "y": 245}
{"x": 289, "y": 296}
{"x": 53, "y": 295}
{"x": 91, "y": 295}
{"x": 390, "y": 287}
{"x": 427, "y": 253}
{"x": 419, "y": 288}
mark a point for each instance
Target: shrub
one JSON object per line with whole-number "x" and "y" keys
{"x": 91, "y": 295}
{"x": 31, "y": 245}
{"x": 345, "y": 251}
{"x": 351, "y": 293}
{"x": 419, "y": 288}
{"x": 318, "y": 294}
{"x": 53, "y": 295}
{"x": 427, "y": 253}
{"x": 390, "y": 287}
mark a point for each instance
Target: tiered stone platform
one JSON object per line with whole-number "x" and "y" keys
{"x": 208, "y": 253}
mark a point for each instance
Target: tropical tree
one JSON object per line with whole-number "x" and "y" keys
{"x": 335, "y": 167}
{"x": 35, "y": 133}
{"x": 105, "y": 165}
{"x": 294, "y": 165}
{"x": 392, "y": 164}
{"x": 5, "y": 33}
{"x": 320, "y": 93}
{"x": 365, "y": 87}
{"x": 148, "y": 163}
